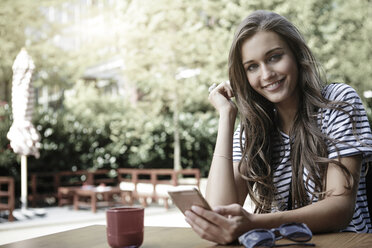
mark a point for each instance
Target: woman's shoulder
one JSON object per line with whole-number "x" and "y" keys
{"x": 339, "y": 92}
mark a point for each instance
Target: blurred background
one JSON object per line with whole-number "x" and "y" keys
{"x": 124, "y": 83}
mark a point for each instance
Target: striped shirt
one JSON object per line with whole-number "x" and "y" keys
{"x": 336, "y": 125}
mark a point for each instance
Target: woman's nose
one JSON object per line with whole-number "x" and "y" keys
{"x": 266, "y": 72}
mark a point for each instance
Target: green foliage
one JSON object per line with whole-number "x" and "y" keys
{"x": 8, "y": 160}
{"x": 95, "y": 132}
{"x": 199, "y": 132}
{"x": 67, "y": 143}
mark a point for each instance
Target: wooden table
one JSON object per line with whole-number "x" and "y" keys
{"x": 170, "y": 237}
{"x": 65, "y": 194}
{"x": 88, "y": 197}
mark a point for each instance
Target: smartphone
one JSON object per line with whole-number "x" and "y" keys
{"x": 184, "y": 199}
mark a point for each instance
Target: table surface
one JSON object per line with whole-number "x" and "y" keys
{"x": 163, "y": 237}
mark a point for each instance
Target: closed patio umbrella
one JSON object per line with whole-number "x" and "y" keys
{"x": 24, "y": 138}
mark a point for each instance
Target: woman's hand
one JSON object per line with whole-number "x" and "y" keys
{"x": 220, "y": 97}
{"x": 223, "y": 225}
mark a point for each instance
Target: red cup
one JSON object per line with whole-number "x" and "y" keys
{"x": 125, "y": 226}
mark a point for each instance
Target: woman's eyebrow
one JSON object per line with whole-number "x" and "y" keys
{"x": 268, "y": 52}
{"x": 273, "y": 50}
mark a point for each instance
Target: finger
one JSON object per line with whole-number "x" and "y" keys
{"x": 230, "y": 90}
{"x": 201, "y": 231}
{"x": 212, "y": 87}
{"x": 203, "y": 228}
{"x": 212, "y": 217}
{"x": 198, "y": 217}
{"x": 227, "y": 90}
{"x": 223, "y": 88}
{"x": 233, "y": 209}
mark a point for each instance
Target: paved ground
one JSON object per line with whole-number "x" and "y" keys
{"x": 58, "y": 219}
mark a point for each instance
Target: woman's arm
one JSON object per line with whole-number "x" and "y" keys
{"x": 221, "y": 189}
{"x": 331, "y": 214}
{"x": 227, "y": 223}
{"x": 223, "y": 179}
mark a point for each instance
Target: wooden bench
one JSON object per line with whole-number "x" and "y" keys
{"x": 99, "y": 177}
{"x": 101, "y": 195}
{"x": 45, "y": 185}
{"x": 42, "y": 186}
{"x": 154, "y": 184}
{"x": 7, "y": 200}
{"x": 61, "y": 185}
{"x": 102, "y": 176}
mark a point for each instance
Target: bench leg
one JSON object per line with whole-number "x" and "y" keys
{"x": 124, "y": 195}
{"x": 93, "y": 200}
{"x": 166, "y": 202}
{"x": 131, "y": 200}
{"x": 143, "y": 201}
{"x": 10, "y": 217}
{"x": 76, "y": 202}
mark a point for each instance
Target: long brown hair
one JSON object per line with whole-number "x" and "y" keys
{"x": 258, "y": 118}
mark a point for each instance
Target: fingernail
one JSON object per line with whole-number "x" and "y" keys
{"x": 194, "y": 208}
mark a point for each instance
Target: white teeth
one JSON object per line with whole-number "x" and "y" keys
{"x": 273, "y": 84}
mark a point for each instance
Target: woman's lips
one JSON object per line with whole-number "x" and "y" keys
{"x": 275, "y": 85}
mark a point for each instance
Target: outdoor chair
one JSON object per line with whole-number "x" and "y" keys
{"x": 7, "y": 196}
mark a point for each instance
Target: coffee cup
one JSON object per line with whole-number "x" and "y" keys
{"x": 125, "y": 226}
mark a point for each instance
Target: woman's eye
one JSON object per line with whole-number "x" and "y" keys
{"x": 252, "y": 67}
{"x": 275, "y": 57}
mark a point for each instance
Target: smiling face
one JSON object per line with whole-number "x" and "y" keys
{"x": 271, "y": 67}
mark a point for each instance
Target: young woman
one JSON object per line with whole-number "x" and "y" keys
{"x": 301, "y": 149}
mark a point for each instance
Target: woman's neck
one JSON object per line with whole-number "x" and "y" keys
{"x": 287, "y": 113}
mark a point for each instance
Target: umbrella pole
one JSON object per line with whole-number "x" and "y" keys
{"x": 24, "y": 182}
